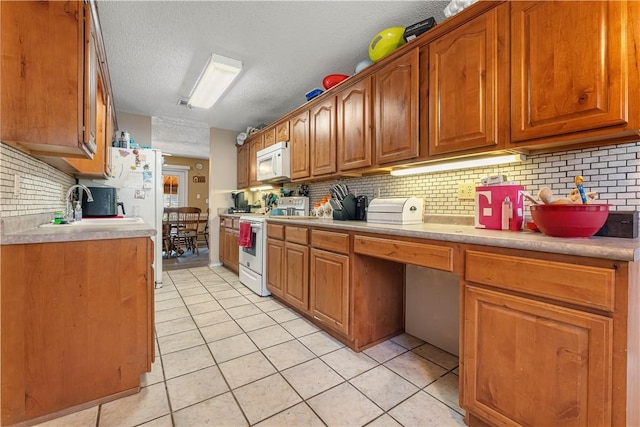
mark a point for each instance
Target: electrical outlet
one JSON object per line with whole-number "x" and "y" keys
{"x": 466, "y": 191}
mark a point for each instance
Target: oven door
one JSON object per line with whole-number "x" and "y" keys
{"x": 252, "y": 257}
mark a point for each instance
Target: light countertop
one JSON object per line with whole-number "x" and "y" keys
{"x": 25, "y": 230}
{"x": 596, "y": 247}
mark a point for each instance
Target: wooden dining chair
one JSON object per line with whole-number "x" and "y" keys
{"x": 203, "y": 228}
{"x": 169, "y": 229}
{"x": 187, "y": 232}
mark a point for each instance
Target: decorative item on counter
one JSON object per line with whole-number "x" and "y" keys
{"x": 313, "y": 93}
{"x": 579, "y": 181}
{"x": 413, "y": 31}
{"x": 385, "y": 42}
{"x": 507, "y": 213}
{"x": 58, "y": 217}
{"x": 546, "y": 196}
{"x": 489, "y": 205}
{"x": 568, "y": 216}
{"x": 569, "y": 219}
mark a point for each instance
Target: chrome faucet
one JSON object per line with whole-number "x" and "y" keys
{"x": 69, "y": 212}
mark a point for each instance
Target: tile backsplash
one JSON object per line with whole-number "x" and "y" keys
{"x": 612, "y": 171}
{"x": 41, "y": 187}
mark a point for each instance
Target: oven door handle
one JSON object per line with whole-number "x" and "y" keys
{"x": 256, "y": 226}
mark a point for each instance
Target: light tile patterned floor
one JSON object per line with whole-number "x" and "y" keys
{"x": 227, "y": 357}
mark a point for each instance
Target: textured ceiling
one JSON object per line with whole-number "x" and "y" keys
{"x": 156, "y": 51}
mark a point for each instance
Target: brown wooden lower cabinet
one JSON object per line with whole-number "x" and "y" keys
{"x": 534, "y": 363}
{"x": 275, "y": 267}
{"x": 288, "y": 265}
{"x": 296, "y": 290}
{"x": 330, "y": 289}
{"x": 71, "y": 333}
{"x": 228, "y": 246}
{"x": 545, "y": 339}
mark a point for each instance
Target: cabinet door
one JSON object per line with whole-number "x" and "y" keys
{"x": 243, "y": 166}
{"x": 322, "y": 138}
{"x": 300, "y": 146}
{"x": 42, "y": 45}
{"x": 234, "y": 251}
{"x": 354, "y": 137}
{"x": 282, "y": 131}
{"x": 110, "y": 128}
{"x": 100, "y": 165}
{"x": 330, "y": 289}
{"x": 396, "y": 109}
{"x": 533, "y": 363}
{"x": 255, "y": 145}
{"x": 269, "y": 137}
{"x": 275, "y": 267}
{"x": 568, "y": 67}
{"x": 297, "y": 272}
{"x": 468, "y": 83}
{"x": 222, "y": 243}
{"x": 90, "y": 129}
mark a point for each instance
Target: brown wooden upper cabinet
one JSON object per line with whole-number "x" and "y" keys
{"x": 354, "y": 133}
{"x": 282, "y": 131}
{"x": 322, "y": 137}
{"x": 569, "y": 68}
{"x": 300, "y": 166}
{"x": 269, "y": 136}
{"x": 49, "y": 78}
{"x": 468, "y": 93}
{"x": 255, "y": 144}
{"x": 100, "y": 165}
{"x": 396, "y": 109}
{"x": 243, "y": 166}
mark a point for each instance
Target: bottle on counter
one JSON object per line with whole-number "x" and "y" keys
{"x": 317, "y": 209}
{"x": 507, "y": 213}
{"x": 77, "y": 211}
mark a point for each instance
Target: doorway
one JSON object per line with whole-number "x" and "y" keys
{"x": 175, "y": 182}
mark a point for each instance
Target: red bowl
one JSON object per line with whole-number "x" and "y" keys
{"x": 333, "y": 79}
{"x": 566, "y": 220}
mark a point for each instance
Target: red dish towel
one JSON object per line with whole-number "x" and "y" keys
{"x": 244, "y": 240}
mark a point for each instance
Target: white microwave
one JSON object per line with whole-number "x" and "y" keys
{"x": 273, "y": 163}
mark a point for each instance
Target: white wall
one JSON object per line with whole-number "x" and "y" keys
{"x": 223, "y": 180}
{"x": 139, "y": 127}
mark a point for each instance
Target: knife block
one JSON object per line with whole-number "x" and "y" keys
{"x": 348, "y": 211}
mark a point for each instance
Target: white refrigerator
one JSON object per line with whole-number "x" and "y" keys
{"x": 137, "y": 174}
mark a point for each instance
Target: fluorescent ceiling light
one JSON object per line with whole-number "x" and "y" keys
{"x": 462, "y": 164}
{"x": 264, "y": 187}
{"x": 214, "y": 80}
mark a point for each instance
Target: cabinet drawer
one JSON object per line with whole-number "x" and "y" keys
{"x": 421, "y": 254}
{"x": 275, "y": 231}
{"x": 335, "y": 242}
{"x": 236, "y": 224}
{"x": 297, "y": 235}
{"x": 228, "y": 222}
{"x": 576, "y": 284}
